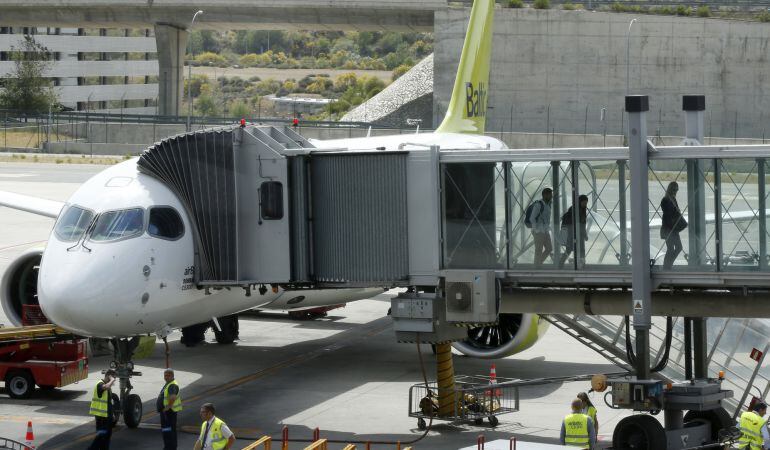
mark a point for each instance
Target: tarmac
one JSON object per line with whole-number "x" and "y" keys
{"x": 344, "y": 374}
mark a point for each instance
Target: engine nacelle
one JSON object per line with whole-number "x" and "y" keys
{"x": 512, "y": 334}
{"x": 18, "y": 287}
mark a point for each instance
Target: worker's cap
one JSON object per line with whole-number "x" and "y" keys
{"x": 110, "y": 373}
{"x": 758, "y": 406}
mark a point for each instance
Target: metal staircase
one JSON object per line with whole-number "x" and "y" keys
{"x": 736, "y": 346}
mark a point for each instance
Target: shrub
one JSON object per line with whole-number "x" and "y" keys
{"x": 683, "y": 10}
{"x": 239, "y": 109}
{"x": 400, "y": 70}
{"x": 704, "y": 11}
{"x": 568, "y": 6}
{"x": 208, "y": 57}
{"x": 515, "y": 4}
{"x": 764, "y": 16}
{"x": 249, "y": 60}
{"x": 542, "y": 4}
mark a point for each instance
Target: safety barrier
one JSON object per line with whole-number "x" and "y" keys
{"x": 264, "y": 441}
{"x": 481, "y": 440}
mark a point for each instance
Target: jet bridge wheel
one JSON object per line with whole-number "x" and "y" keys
{"x": 639, "y": 432}
{"x": 719, "y": 419}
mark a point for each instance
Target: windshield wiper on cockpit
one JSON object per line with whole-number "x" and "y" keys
{"x": 82, "y": 239}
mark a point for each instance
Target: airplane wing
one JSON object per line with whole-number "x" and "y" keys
{"x": 34, "y": 205}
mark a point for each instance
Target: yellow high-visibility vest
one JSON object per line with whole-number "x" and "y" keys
{"x": 177, "y": 406}
{"x": 576, "y": 430}
{"x": 217, "y": 440}
{"x": 751, "y": 431}
{"x": 100, "y": 404}
{"x": 592, "y": 414}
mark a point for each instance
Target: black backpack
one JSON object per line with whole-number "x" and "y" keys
{"x": 528, "y": 213}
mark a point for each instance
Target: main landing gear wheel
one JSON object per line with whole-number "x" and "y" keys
{"x": 132, "y": 411}
{"x": 194, "y": 334}
{"x": 640, "y": 432}
{"x": 19, "y": 384}
{"x": 229, "y": 333}
{"x": 719, "y": 419}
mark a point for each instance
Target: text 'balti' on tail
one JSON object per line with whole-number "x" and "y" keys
{"x": 468, "y": 105}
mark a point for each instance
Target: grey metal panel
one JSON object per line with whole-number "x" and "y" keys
{"x": 360, "y": 218}
{"x": 299, "y": 220}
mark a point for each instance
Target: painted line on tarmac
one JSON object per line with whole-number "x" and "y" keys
{"x": 367, "y": 332}
{"x": 41, "y": 419}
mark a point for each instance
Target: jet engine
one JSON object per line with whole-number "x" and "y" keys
{"x": 513, "y": 333}
{"x": 18, "y": 287}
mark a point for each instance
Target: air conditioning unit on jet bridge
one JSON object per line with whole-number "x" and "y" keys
{"x": 471, "y": 296}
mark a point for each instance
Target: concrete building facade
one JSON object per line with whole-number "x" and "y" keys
{"x": 556, "y": 71}
{"x": 104, "y": 70}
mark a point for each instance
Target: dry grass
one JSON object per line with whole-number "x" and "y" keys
{"x": 61, "y": 159}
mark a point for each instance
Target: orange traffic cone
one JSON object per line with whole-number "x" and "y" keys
{"x": 493, "y": 379}
{"x": 30, "y": 438}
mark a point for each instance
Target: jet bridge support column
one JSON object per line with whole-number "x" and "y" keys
{"x": 694, "y": 107}
{"x": 637, "y": 107}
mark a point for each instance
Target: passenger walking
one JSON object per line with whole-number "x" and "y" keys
{"x": 169, "y": 403}
{"x": 577, "y": 429}
{"x": 672, "y": 224}
{"x": 568, "y": 232}
{"x": 538, "y": 217}
{"x": 215, "y": 435}
{"x": 589, "y": 409}
{"x": 101, "y": 409}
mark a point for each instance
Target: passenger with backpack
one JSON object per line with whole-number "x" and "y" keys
{"x": 537, "y": 217}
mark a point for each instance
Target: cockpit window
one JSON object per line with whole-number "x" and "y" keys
{"x": 165, "y": 223}
{"x": 113, "y": 225}
{"x": 73, "y": 223}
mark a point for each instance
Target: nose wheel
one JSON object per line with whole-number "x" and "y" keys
{"x": 128, "y": 405}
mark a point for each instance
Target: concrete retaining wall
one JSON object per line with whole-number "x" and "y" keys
{"x": 556, "y": 70}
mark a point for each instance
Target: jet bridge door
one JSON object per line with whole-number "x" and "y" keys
{"x": 263, "y": 207}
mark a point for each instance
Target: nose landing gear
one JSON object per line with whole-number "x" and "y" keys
{"x": 125, "y": 403}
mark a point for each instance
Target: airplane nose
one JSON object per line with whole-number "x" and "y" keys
{"x": 87, "y": 302}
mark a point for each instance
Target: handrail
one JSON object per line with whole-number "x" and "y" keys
{"x": 320, "y": 444}
{"x": 264, "y": 441}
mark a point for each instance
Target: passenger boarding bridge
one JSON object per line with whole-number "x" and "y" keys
{"x": 268, "y": 207}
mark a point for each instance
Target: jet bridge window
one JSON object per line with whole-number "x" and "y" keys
{"x": 73, "y": 223}
{"x": 271, "y": 200}
{"x": 114, "y": 225}
{"x": 165, "y": 223}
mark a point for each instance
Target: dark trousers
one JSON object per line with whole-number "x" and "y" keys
{"x": 103, "y": 435}
{"x": 168, "y": 429}
{"x": 673, "y": 248}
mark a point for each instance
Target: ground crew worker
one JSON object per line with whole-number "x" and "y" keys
{"x": 215, "y": 435}
{"x": 101, "y": 409}
{"x": 589, "y": 410}
{"x": 169, "y": 403}
{"x": 577, "y": 429}
{"x": 753, "y": 425}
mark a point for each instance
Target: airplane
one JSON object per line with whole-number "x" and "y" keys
{"x": 119, "y": 262}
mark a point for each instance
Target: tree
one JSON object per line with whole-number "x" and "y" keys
{"x": 25, "y": 88}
